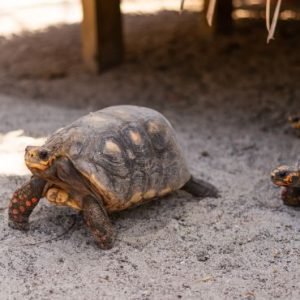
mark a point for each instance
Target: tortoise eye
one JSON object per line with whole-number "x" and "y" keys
{"x": 282, "y": 174}
{"x": 43, "y": 154}
{"x": 294, "y": 119}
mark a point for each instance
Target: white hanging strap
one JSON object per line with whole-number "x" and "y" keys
{"x": 182, "y": 5}
{"x": 210, "y": 11}
{"x": 271, "y": 28}
{"x": 268, "y": 7}
{"x": 274, "y": 21}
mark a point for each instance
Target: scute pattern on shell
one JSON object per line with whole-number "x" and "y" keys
{"x": 128, "y": 153}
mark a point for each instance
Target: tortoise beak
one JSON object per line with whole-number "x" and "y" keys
{"x": 29, "y": 150}
{"x": 32, "y": 152}
{"x": 32, "y": 158}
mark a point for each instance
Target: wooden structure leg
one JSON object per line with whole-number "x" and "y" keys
{"x": 102, "y": 43}
{"x": 223, "y": 17}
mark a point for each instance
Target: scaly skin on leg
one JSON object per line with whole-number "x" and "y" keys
{"x": 23, "y": 202}
{"x": 97, "y": 220}
{"x": 291, "y": 196}
{"x": 200, "y": 188}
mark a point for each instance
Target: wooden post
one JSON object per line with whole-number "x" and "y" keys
{"x": 223, "y": 17}
{"x": 102, "y": 42}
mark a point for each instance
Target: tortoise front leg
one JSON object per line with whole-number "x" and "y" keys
{"x": 97, "y": 220}
{"x": 23, "y": 202}
{"x": 291, "y": 196}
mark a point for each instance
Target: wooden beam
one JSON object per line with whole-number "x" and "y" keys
{"x": 102, "y": 42}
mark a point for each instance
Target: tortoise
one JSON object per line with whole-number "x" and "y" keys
{"x": 106, "y": 161}
{"x": 294, "y": 122}
{"x": 288, "y": 177}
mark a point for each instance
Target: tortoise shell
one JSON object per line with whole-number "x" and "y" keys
{"x": 129, "y": 154}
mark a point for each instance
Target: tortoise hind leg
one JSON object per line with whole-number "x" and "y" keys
{"x": 97, "y": 220}
{"x": 200, "y": 188}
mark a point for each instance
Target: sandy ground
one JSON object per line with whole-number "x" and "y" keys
{"x": 228, "y": 99}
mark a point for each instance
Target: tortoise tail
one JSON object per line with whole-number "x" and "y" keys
{"x": 200, "y": 188}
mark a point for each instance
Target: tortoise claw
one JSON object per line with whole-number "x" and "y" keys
{"x": 23, "y": 226}
{"x": 106, "y": 244}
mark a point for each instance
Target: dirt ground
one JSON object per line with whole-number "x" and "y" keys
{"x": 228, "y": 99}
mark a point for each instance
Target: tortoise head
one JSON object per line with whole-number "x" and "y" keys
{"x": 286, "y": 176}
{"x": 294, "y": 122}
{"x": 38, "y": 158}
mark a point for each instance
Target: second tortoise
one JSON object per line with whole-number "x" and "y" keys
{"x": 288, "y": 177}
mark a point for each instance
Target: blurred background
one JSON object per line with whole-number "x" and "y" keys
{"x": 28, "y": 15}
